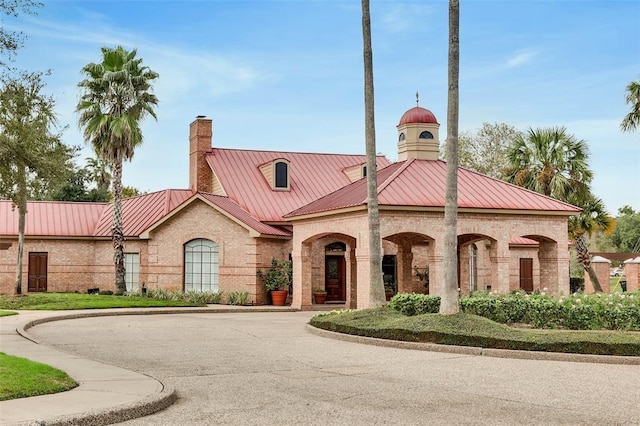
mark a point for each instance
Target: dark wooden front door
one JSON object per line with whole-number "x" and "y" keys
{"x": 526, "y": 274}
{"x": 37, "y": 272}
{"x": 334, "y": 282}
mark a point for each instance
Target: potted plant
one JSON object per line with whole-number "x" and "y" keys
{"x": 319, "y": 296}
{"x": 277, "y": 281}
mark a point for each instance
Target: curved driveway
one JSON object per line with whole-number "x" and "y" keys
{"x": 265, "y": 369}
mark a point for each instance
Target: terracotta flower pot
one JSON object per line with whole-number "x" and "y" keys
{"x": 320, "y": 297}
{"x": 279, "y": 297}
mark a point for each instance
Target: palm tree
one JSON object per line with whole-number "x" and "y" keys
{"x": 550, "y": 161}
{"x": 632, "y": 120}
{"x": 376, "y": 286}
{"x": 592, "y": 219}
{"x": 116, "y": 97}
{"x": 449, "y": 296}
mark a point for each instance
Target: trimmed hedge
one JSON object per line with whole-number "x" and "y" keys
{"x": 577, "y": 312}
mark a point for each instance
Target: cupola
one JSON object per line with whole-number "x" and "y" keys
{"x": 418, "y": 134}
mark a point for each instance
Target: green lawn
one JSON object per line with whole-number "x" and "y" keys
{"x": 64, "y": 301}
{"x": 7, "y": 313}
{"x": 20, "y": 378}
{"x": 471, "y": 330}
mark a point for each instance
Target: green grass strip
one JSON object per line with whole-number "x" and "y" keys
{"x": 20, "y": 378}
{"x": 67, "y": 301}
{"x": 472, "y": 330}
{"x": 7, "y": 313}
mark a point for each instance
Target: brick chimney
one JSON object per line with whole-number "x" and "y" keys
{"x": 200, "y": 140}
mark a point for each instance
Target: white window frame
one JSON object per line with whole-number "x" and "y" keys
{"x": 132, "y": 271}
{"x": 201, "y": 266}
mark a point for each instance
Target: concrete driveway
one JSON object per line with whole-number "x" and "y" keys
{"x": 266, "y": 369}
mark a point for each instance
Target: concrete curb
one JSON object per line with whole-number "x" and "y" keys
{"x": 141, "y": 408}
{"x": 470, "y": 350}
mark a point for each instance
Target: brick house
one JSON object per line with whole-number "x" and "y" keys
{"x": 245, "y": 207}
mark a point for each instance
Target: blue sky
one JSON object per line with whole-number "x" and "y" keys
{"x": 287, "y": 75}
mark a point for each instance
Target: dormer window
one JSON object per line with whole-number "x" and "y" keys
{"x": 281, "y": 175}
{"x": 401, "y": 137}
{"x": 426, "y": 135}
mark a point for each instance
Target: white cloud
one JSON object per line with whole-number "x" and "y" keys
{"x": 402, "y": 17}
{"x": 521, "y": 57}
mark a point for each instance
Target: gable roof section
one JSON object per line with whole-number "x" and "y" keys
{"x": 47, "y": 218}
{"x": 311, "y": 176}
{"x": 422, "y": 183}
{"x": 229, "y": 209}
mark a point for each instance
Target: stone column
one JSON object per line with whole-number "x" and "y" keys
{"x": 404, "y": 274}
{"x": 352, "y": 278}
{"x": 632, "y": 273}
{"x": 499, "y": 259}
{"x": 302, "y": 291}
{"x": 601, "y": 267}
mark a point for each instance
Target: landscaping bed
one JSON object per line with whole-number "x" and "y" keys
{"x": 472, "y": 330}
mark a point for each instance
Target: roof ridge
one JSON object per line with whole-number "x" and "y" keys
{"x": 291, "y": 152}
{"x": 395, "y": 174}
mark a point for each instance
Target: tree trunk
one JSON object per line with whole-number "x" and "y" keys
{"x": 582, "y": 248}
{"x": 118, "y": 233}
{"x": 449, "y": 303}
{"x": 376, "y": 286}
{"x": 22, "y": 213}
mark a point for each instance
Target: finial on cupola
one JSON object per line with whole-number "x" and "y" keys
{"x": 417, "y": 98}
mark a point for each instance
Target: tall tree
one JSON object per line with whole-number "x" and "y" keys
{"x": 449, "y": 296}
{"x": 631, "y": 121}
{"x": 485, "y": 150}
{"x": 376, "y": 285}
{"x": 626, "y": 236}
{"x": 32, "y": 155}
{"x": 115, "y": 98}
{"x": 11, "y": 41}
{"x": 98, "y": 171}
{"x": 552, "y": 162}
{"x": 593, "y": 218}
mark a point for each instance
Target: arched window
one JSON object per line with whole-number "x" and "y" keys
{"x": 426, "y": 135}
{"x": 282, "y": 175}
{"x": 201, "y": 264}
{"x": 401, "y": 137}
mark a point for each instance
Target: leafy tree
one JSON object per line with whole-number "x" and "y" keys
{"x": 631, "y": 121}
{"x": 485, "y": 150}
{"x": 449, "y": 295}
{"x": 10, "y": 41}
{"x": 130, "y": 191}
{"x": 592, "y": 218}
{"x": 550, "y": 161}
{"x": 99, "y": 173}
{"x": 626, "y": 236}
{"x": 76, "y": 188}
{"x": 33, "y": 157}
{"x": 116, "y": 97}
{"x": 376, "y": 286}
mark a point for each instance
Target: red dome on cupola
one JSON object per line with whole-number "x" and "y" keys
{"x": 418, "y": 115}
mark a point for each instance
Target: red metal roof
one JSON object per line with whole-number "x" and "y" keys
{"x": 417, "y": 115}
{"x": 45, "y": 218}
{"x": 422, "y": 183}
{"x": 67, "y": 219}
{"x": 311, "y": 176}
{"x": 139, "y": 213}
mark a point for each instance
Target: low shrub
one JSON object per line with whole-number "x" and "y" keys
{"x": 415, "y": 303}
{"x": 615, "y": 311}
